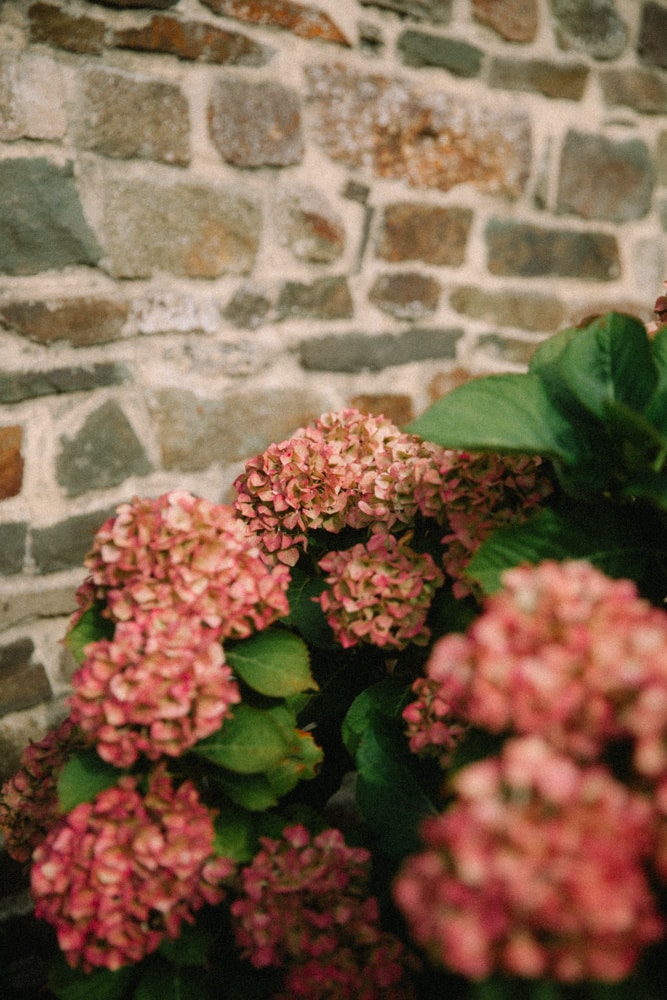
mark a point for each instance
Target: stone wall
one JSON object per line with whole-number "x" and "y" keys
{"x": 220, "y": 218}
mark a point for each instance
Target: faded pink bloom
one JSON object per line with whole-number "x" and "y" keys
{"x": 304, "y": 908}
{"x": 186, "y": 553}
{"x": 120, "y": 874}
{"x": 29, "y": 799}
{"x": 158, "y": 687}
{"x": 564, "y": 651}
{"x": 536, "y": 870}
{"x": 379, "y": 592}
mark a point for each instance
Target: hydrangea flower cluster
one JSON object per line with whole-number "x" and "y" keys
{"x": 561, "y": 650}
{"x": 304, "y": 908}
{"x": 29, "y": 800}
{"x": 348, "y": 469}
{"x": 536, "y": 870}
{"x": 178, "y": 575}
{"x": 118, "y": 875}
{"x": 380, "y": 592}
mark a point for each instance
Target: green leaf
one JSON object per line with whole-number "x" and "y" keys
{"x": 250, "y": 791}
{"x": 274, "y": 662}
{"x": 235, "y": 833}
{"x": 301, "y": 763}
{"x": 191, "y": 947}
{"x": 82, "y": 777}
{"x": 656, "y": 410}
{"x": 90, "y": 627}
{"x": 249, "y": 743}
{"x": 499, "y": 413}
{"x": 163, "y": 981}
{"x": 306, "y": 614}
{"x": 73, "y": 984}
{"x": 388, "y": 697}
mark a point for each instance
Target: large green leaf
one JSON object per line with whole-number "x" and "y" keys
{"x": 249, "y": 743}
{"x": 90, "y": 627}
{"x": 235, "y": 833}
{"x": 160, "y": 980}
{"x": 656, "y": 410}
{"x": 388, "y": 697}
{"x": 102, "y": 984}
{"x": 251, "y": 791}
{"x": 500, "y": 413}
{"x": 306, "y": 614}
{"x": 275, "y": 663}
{"x": 82, "y": 777}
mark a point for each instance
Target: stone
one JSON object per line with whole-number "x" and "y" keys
{"x": 194, "y": 40}
{"x": 525, "y": 250}
{"x": 189, "y": 230}
{"x": 20, "y": 602}
{"x": 395, "y": 406}
{"x": 444, "y": 382}
{"x": 427, "y": 138}
{"x": 81, "y": 321}
{"x": 506, "y": 307}
{"x": 636, "y": 88}
{"x": 13, "y": 537}
{"x": 307, "y": 224}
{"x": 32, "y": 97}
{"x": 627, "y": 171}
{"x": 163, "y": 311}
{"x": 255, "y": 124}
{"x": 74, "y": 32}
{"x": 591, "y": 26}
{"x": 361, "y": 352}
{"x": 406, "y": 295}
{"x": 42, "y": 225}
{"x": 196, "y": 433}
{"x": 508, "y": 350}
{"x": 513, "y": 20}
{"x": 129, "y": 4}
{"x": 303, "y": 20}
{"x": 432, "y": 234}
{"x": 437, "y": 11}
{"x": 417, "y": 48}
{"x": 20, "y": 385}
{"x": 64, "y": 545}
{"x": 651, "y": 47}
{"x": 124, "y": 117}
{"x": 661, "y": 157}
{"x": 22, "y": 683}
{"x": 324, "y": 298}
{"x": 247, "y": 309}
{"x": 11, "y": 461}
{"x": 553, "y": 80}
{"x": 103, "y": 453}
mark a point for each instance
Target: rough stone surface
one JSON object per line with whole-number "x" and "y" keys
{"x": 81, "y": 321}
{"x": 247, "y": 309}
{"x": 325, "y": 298}
{"x": 429, "y": 233}
{"x": 437, "y": 11}
{"x": 13, "y": 536}
{"x": 104, "y": 452}
{"x": 309, "y": 227}
{"x": 524, "y": 250}
{"x": 396, "y": 406}
{"x": 550, "y": 79}
{"x": 591, "y": 26}
{"x": 406, "y": 295}
{"x": 358, "y": 352}
{"x": 642, "y": 90}
{"x": 22, "y": 683}
{"x": 129, "y": 4}
{"x": 35, "y": 601}
{"x": 17, "y": 386}
{"x": 65, "y": 544}
{"x": 11, "y": 461}
{"x": 122, "y": 117}
{"x": 507, "y": 307}
{"x": 652, "y": 34}
{"x": 431, "y": 139}
{"x": 74, "y": 32}
{"x": 255, "y": 124}
{"x": 196, "y": 433}
{"x": 42, "y": 224}
{"x": 512, "y": 350}
{"x": 189, "y": 230}
{"x": 514, "y": 20}
{"x": 303, "y": 20}
{"x": 662, "y": 157}
{"x": 626, "y": 169}
{"x": 194, "y": 40}
{"x": 32, "y": 97}
{"x": 417, "y": 48}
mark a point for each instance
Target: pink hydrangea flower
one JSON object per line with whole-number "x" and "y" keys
{"x": 184, "y": 552}
{"x": 158, "y": 687}
{"x": 120, "y": 874}
{"x": 379, "y": 592}
{"x": 561, "y": 650}
{"x": 29, "y": 799}
{"x": 348, "y": 469}
{"x": 304, "y": 908}
{"x": 536, "y": 870}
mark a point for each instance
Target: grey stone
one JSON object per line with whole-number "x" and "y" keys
{"x": 524, "y": 250}
{"x": 651, "y": 46}
{"x": 65, "y": 545}
{"x": 255, "y": 124}
{"x": 13, "y": 538}
{"x": 17, "y": 386}
{"x": 591, "y": 26}
{"x": 420, "y": 49}
{"x": 627, "y": 171}
{"x": 358, "y": 352}
{"x": 324, "y": 298}
{"x": 247, "y": 309}
{"x": 437, "y": 11}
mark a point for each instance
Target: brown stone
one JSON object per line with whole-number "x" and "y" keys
{"x": 444, "y": 382}
{"x": 22, "y": 683}
{"x": 514, "y": 20}
{"x": 255, "y": 124}
{"x": 303, "y": 20}
{"x": 11, "y": 461}
{"x": 511, "y": 350}
{"x": 528, "y": 251}
{"x": 641, "y": 89}
{"x": 81, "y": 321}
{"x": 427, "y": 138}
{"x": 325, "y": 298}
{"x": 507, "y": 307}
{"x": 430, "y": 233}
{"x": 309, "y": 227}
{"x": 193, "y": 40}
{"x": 405, "y": 295}
{"x": 627, "y": 171}
{"x": 75, "y": 33}
{"x": 397, "y": 407}
{"x": 540, "y": 76}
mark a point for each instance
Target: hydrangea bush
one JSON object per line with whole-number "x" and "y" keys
{"x": 390, "y": 724}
